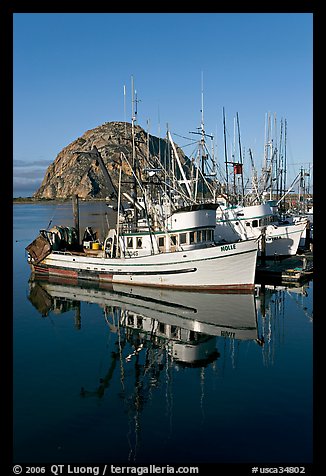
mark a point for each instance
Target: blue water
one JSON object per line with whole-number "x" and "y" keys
{"x": 83, "y": 394}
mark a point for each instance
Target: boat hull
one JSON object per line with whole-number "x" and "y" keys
{"x": 222, "y": 267}
{"x": 283, "y": 240}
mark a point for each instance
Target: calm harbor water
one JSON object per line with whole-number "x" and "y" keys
{"x": 121, "y": 375}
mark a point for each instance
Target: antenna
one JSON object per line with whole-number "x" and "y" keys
{"x": 202, "y": 103}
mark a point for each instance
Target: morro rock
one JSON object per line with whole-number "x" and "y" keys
{"x": 75, "y": 173}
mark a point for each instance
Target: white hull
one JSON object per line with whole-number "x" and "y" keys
{"x": 283, "y": 240}
{"x": 228, "y": 267}
{"x": 239, "y": 222}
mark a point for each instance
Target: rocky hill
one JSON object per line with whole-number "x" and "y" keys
{"x": 74, "y": 173}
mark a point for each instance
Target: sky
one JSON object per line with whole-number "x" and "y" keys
{"x": 73, "y": 72}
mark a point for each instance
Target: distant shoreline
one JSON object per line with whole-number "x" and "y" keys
{"x": 24, "y": 200}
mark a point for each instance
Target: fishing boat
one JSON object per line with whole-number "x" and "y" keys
{"x": 157, "y": 241}
{"x": 236, "y": 218}
{"x": 179, "y": 253}
{"x": 255, "y": 221}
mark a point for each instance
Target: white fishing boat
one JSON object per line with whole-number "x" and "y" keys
{"x": 156, "y": 242}
{"x": 235, "y": 218}
{"x": 180, "y": 254}
{"x": 307, "y": 235}
{"x": 248, "y": 222}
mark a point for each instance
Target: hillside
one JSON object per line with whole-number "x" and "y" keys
{"x": 74, "y": 173}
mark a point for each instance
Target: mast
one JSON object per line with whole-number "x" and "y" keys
{"x": 279, "y": 182}
{"x": 202, "y": 141}
{"x": 241, "y": 161}
{"x": 285, "y": 160}
{"x": 124, "y": 110}
{"x": 226, "y": 158}
{"x": 134, "y": 160}
{"x": 202, "y": 149}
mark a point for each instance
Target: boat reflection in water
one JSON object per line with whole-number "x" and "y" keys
{"x": 153, "y": 335}
{"x": 185, "y": 323}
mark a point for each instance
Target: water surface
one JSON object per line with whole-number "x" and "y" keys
{"x": 125, "y": 375}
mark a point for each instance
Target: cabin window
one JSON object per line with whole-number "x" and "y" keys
{"x": 139, "y": 242}
{"x": 139, "y": 322}
{"x": 199, "y": 236}
{"x": 204, "y": 235}
{"x": 209, "y": 235}
{"x": 130, "y": 242}
{"x": 254, "y": 223}
{"x": 192, "y": 237}
{"x": 130, "y": 320}
{"x": 174, "y": 240}
{"x": 161, "y": 242}
{"x": 161, "y": 328}
{"x": 174, "y": 331}
{"x": 183, "y": 238}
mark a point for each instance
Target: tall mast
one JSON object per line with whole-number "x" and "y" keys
{"x": 134, "y": 165}
{"x": 202, "y": 156}
{"x": 241, "y": 160}
{"x": 285, "y": 164}
{"x": 226, "y": 158}
{"x": 202, "y": 141}
{"x": 124, "y": 110}
{"x": 279, "y": 158}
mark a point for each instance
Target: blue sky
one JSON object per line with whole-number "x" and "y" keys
{"x": 70, "y": 70}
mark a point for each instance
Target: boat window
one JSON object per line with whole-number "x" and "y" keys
{"x": 174, "y": 240}
{"x": 139, "y": 242}
{"x": 192, "y": 237}
{"x": 204, "y": 237}
{"x": 209, "y": 235}
{"x": 130, "y": 242}
{"x": 192, "y": 335}
{"x": 162, "y": 328}
{"x": 254, "y": 223}
{"x": 183, "y": 238}
{"x": 247, "y": 223}
{"x": 130, "y": 320}
{"x": 174, "y": 331}
{"x": 161, "y": 241}
{"x": 139, "y": 322}
{"x": 199, "y": 236}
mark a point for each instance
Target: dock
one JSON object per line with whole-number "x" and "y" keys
{"x": 291, "y": 269}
